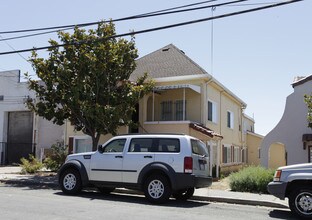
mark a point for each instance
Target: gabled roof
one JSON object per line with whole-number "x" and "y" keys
{"x": 168, "y": 61}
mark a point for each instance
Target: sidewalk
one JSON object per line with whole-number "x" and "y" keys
{"x": 12, "y": 176}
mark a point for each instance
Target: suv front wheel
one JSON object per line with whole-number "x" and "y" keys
{"x": 300, "y": 202}
{"x": 70, "y": 181}
{"x": 157, "y": 189}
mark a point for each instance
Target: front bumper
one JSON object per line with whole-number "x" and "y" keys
{"x": 277, "y": 189}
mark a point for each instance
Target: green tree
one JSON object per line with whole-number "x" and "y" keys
{"x": 308, "y": 101}
{"x": 87, "y": 81}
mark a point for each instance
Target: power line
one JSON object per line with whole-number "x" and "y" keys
{"x": 157, "y": 28}
{"x": 150, "y": 14}
{"x": 95, "y": 23}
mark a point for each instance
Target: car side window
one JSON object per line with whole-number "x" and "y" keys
{"x": 115, "y": 146}
{"x": 141, "y": 145}
{"x": 199, "y": 147}
{"x": 168, "y": 145}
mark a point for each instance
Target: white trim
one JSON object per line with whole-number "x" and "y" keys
{"x": 166, "y": 122}
{"x": 178, "y": 86}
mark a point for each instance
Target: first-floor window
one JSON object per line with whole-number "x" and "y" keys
{"x": 236, "y": 154}
{"x": 227, "y": 153}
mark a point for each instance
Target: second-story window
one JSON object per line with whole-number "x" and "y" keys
{"x": 212, "y": 111}
{"x": 180, "y": 110}
{"x": 230, "y": 119}
{"x": 166, "y": 111}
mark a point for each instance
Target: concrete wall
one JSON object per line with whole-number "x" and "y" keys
{"x": 290, "y": 128}
{"x": 277, "y": 156}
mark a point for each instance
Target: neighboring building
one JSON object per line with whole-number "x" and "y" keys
{"x": 21, "y": 131}
{"x": 290, "y": 142}
{"x": 186, "y": 99}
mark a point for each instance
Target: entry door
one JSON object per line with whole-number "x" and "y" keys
{"x": 20, "y": 136}
{"x": 107, "y": 165}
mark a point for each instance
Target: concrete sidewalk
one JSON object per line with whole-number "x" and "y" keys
{"x": 11, "y": 176}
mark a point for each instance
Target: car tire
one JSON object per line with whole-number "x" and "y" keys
{"x": 300, "y": 201}
{"x": 71, "y": 181}
{"x": 184, "y": 194}
{"x": 106, "y": 190}
{"x": 157, "y": 189}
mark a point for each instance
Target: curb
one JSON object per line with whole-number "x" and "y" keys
{"x": 53, "y": 185}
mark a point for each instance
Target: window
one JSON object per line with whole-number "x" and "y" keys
{"x": 230, "y": 119}
{"x": 179, "y": 110}
{"x": 212, "y": 111}
{"x": 82, "y": 144}
{"x": 236, "y": 154}
{"x": 199, "y": 148}
{"x": 155, "y": 145}
{"x": 141, "y": 145}
{"x": 166, "y": 111}
{"x": 227, "y": 153}
{"x": 115, "y": 146}
{"x": 168, "y": 145}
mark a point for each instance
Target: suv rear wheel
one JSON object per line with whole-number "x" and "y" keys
{"x": 157, "y": 188}
{"x": 300, "y": 202}
{"x": 183, "y": 194}
{"x": 70, "y": 181}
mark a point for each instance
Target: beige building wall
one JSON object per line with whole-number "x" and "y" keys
{"x": 225, "y": 103}
{"x": 277, "y": 156}
{"x": 253, "y": 146}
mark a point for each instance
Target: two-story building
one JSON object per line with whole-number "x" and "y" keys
{"x": 186, "y": 99}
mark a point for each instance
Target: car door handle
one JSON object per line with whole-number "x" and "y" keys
{"x": 148, "y": 156}
{"x": 118, "y": 156}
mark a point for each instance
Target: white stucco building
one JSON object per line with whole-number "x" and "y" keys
{"x": 292, "y": 131}
{"x": 21, "y": 131}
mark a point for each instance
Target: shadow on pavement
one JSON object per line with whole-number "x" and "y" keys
{"x": 137, "y": 199}
{"x": 282, "y": 214}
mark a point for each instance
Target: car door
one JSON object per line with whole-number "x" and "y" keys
{"x": 106, "y": 165}
{"x": 136, "y": 157}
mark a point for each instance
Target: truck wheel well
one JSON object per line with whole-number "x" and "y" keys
{"x": 295, "y": 184}
{"x": 154, "y": 172}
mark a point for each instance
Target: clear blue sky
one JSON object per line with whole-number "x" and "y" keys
{"x": 255, "y": 55}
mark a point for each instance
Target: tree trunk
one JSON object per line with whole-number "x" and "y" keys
{"x": 95, "y": 141}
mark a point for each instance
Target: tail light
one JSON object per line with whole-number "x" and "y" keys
{"x": 188, "y": 164}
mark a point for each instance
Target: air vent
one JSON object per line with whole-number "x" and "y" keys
{"x": 165, "y": 49}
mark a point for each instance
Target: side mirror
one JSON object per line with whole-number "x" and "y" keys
{"x": 100, "y": 149}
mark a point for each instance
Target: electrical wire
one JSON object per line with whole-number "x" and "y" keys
{"x": 150, "y": 14}
{"x": 157, "y": 28}
{"x": 95, "y": 23}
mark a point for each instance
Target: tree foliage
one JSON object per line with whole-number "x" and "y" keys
{"x": 87, "y": 81}
{"x": 308, "y": 101}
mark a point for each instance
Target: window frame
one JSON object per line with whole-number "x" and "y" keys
{"x": 214, "y": 112}
{"x": 230, "y": 119}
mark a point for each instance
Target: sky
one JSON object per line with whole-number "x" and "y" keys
{"x": 255, "y": 55}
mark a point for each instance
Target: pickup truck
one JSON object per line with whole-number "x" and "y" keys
{"x": 295, "y": 183}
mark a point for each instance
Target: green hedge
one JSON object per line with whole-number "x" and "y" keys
{"x": 251, "y": 179}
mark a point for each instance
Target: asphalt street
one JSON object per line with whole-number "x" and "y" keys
{"x": 34, "y": 202}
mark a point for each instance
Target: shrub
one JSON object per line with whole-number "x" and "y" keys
{"x": 251, "y": 179}
{"x": 30, "y": 165}
{"x": 57, "y": 157}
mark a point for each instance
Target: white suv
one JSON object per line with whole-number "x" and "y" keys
{"x": 160, "y": 165}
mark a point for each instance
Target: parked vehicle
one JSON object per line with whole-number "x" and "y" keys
{"x": 295, "y": 183}
{"x": 159, "y": 165}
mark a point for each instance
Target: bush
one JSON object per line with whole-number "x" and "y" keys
{"x": 31, "y": 165}
{"x": 57, "y": 158}
{"x": 251, "y": 179}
